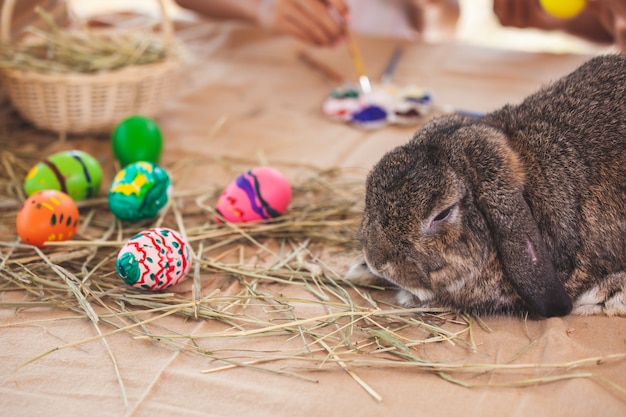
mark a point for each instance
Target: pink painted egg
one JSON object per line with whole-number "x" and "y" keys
{"x": 259, "y": 194}
{"x": 154, "y": 259}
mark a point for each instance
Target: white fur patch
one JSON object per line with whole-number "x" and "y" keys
{"x": 588, "y": 303}
{"x": 422, "y": 294}
{"x": 361, "y": 274}
{"x": 407, "y": 297}
{"x": 616, "y": 305}
{"x": 587, "y": 309}
{"x": 592, "y": 302}
{"x": 404, "y": 298}
{"x": 589, "y": 297}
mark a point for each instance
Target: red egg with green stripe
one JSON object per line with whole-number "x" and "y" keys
{"x": 74, "y": 172}
{"x": 154, "y": 259}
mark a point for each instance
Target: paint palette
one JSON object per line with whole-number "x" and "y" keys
{"x": 387, "y": 104}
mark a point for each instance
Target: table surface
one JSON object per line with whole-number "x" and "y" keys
{"x": 246, "y": 95}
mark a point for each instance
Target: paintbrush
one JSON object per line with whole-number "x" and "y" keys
{"x": 364, "y": 81}
{"x": 391, "y": 65}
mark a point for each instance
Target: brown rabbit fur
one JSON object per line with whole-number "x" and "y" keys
{"x": 522, "y": 210}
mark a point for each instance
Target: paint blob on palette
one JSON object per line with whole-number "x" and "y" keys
{"x": 47, "y": 216}
{"x": 259, "y": 194}
{"x": 154, "y": 259}
{"x": 139, "y": 191}
{"x": 73, "y": 172}
{"x": 386, "y": 104}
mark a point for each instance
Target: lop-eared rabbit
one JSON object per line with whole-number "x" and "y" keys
{"x": 520, "y": 211}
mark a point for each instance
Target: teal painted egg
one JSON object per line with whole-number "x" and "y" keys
{"x": 137, "y": 138}
{"x": 154, "y": 259}
{"x": 75, "y": 173}
{"x": 139, "y": 191}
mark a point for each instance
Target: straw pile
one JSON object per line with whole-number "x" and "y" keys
{"x": 255, "y": 281}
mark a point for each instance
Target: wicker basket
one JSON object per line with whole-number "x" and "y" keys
{"x": 89, "y": 103}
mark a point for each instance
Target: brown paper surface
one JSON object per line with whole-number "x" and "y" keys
{"x": 270, "y": 102}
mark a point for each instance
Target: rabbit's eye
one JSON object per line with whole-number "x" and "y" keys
{"x": 441, "y": 216}
{"x": 441, "y": 219}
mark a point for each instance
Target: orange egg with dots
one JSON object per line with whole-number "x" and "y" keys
{"x": 47, "y": 216}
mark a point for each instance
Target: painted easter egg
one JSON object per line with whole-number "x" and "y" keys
{"x": 139, "y": 191}
{"x": 564, "y": 9}
{"x": 154, "y": 259}
{"x": 74, "y": 172}
{"x": 47, "y": 216}
{"x": 261, "y": 193}
{"x": 137, "y": 138}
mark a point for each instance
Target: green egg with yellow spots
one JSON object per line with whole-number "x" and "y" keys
{"x": 73, "y": 172}
{"x": 139, "y": 191}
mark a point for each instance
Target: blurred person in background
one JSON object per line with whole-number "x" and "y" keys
{"x": 323, "y": 22}
{"x": 601, "y": 21}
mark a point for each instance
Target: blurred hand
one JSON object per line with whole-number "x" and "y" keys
{"x": 600, "y": 20}
{"x": 612, "y": 16}
{"x": 434, "y": 19}
{"x": 524, "y": 14}
{"x": 317, "y": 22}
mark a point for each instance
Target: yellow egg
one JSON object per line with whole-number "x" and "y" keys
{"x": 564, "y": 9}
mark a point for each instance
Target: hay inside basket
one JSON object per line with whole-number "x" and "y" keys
{"x": 87, "y": 80}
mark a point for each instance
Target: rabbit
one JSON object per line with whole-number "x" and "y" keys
{"x": 519, "y": 212}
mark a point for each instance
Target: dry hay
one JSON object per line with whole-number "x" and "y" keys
{"x": 279, "y": 280}
{"x": 53, "y": 49}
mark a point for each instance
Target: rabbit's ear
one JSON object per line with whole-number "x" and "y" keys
{"x": 498, "y": 179}
{"x": 523, "y": 253}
